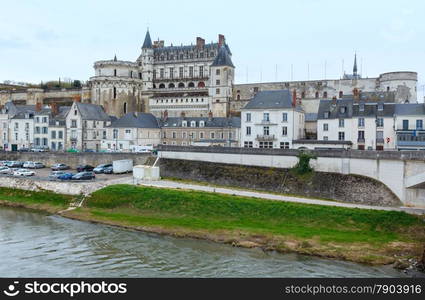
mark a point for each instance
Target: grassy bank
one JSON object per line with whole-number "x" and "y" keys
{"x": 41, "y": 200}
{"x": 359, "y": 235}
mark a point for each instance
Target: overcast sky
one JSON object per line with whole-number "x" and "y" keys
{"x": 48, "y": 39}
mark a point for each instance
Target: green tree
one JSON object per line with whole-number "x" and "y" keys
{"x": 303, "y": 165}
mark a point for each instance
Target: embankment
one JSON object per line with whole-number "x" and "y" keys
{"x": 341, "y": 187}
{"x": 366, "y": 236}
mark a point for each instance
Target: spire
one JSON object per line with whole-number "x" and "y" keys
{"x": 223, "y": 58}
{"x": 115, "y": 57}
{"x": 148, "y": 42}
{"x": 355, "y": 65}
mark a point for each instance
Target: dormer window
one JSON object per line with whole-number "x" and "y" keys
{"x": 184, "y": 124}
{"x": 361, "y": 107}
{"x": 326, "y": 115}
{"x": 192, "y": 124}
{"x": 201, "y": 124}
{"x": 380, "y": 107}
{"x": 343, "y": 109}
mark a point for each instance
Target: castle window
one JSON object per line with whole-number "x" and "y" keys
{"x": 341, "y": 94}
{"x": 317, "y": 95}
{"x": 388, "y": 88}
{"x": 192, "y": 124}
{"x": 171, "y": 86}
{"x": 115, "y": 72}
{"x": 131, "y": 74}
{"x": 181, "y": 56}
{"x": 238, "y": 97}
{"x": 201, "y": 71}
{"x": 325, "y": 94}
{"x": 217, "y": 91}
{"x": 217, "y": 72}
{"x": 201, "y": 55}
{"x": 162, "y": 86}
{"x": 191, "y": 85}
{"x": 171, "y": 72}
{"x": 161, "y": 73}
{"x": 181, "y": 72}
{"x": 201, "y": 84}
{"x": 140, "y": 75}
{"x": 181, "y": 85}
{"x": 115, "y": 93}
{"x": 154, "y": 74}
{"x": 125, "y": 107}
{"x": 217, "y": 82}
{"x": 190, "y": 71}
{"x": 201, "y": 123}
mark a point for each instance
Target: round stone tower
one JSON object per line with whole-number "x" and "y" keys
{"x": 404, "y": 84}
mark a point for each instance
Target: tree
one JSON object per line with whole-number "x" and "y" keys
{"x": 76, "y": 84}
{"x": 303, "y": 165}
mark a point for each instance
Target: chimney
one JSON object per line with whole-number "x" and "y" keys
{"x": 165, "y": 115}
{"x": 54, "y": 108}
{"x": 38, "y": 106}
{"x": 294, "y": 98}
{"x": 210, "y": 116}
{"x": 183, "y": 115}
{"x": 200, "y": 42}
{"x": 221, "y": 40}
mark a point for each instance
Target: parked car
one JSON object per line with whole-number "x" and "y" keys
{"x": 108, "y": 170}
{"x": 55, "y": 175}
{"x": 15, "y": 164}
{"x": 23, "y": 172}
{"x": 83, "y": 168}
{"x": 26, "y": 164}
{"x": 5, "y": 170}
{"x": 33, "y": 165}
{"x": 89, "y": 150}
{"x": 38, "y": 150}
{"x": 65, "y": 176}
{"x": 57, "y": 167}
{"x": 101, "y": 168}
{"x": 24, "y": 150}
{"x": 4, "y": 162}
{"x": 84, "y": 176}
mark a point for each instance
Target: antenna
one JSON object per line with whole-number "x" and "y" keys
{"x": 246, "y": 74}
{"x": 261, "y": 74}
{"x": 342, "y": 70}
{"x": 325, "y": 68}
{"x": 308, "y": 71}
{"x": 361, "y": 65}
{"x": 292, "y": 72}
{"x": 275, "y": 74}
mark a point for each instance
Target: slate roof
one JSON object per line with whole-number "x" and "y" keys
{"x": 410, "y": 109}
{"x": 133, "y": 120}
{"x": 148, "y": 42}
{"x": 92, "y": 112}
{"x": 270, "y": 100}
{"x": 333, "y": 107}
{"x": 222, "y": 58}
{"x": 310, "y": 117}
{"x": 234, "y": 122}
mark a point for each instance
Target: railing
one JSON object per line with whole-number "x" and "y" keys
{"x": 360, "y": 140}
{"x": 380, "y": 141}
{"x": 266, "y": 137}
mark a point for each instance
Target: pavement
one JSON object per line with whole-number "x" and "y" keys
{"x": 238, "y": 192}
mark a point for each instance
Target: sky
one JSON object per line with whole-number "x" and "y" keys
{"x": 44, "y": 40}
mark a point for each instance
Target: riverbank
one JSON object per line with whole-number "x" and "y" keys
{"x": 358, "y": 235}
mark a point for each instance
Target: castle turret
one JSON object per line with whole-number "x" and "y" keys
{"x": 221, "y": 82}
{"x": 145, "y": 62}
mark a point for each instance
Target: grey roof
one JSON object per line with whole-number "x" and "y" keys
{"x": 270, "y": 100}
{"x": 185, "y": 48}
{"x": 333, "y": 107}
{"x": 327, "y": 142}
{"x": 310, "y": 117}
{"x": 410, "y": 109}
{"x": 92, "y": 112}
{"x": 148, "y": 42}
{"x": 371, "y": 110}
{"x": 222, "y": 58}
{"x": 234, "y": 122}
{"x": 24, "y": 115}
{"x": 136, "y": 120}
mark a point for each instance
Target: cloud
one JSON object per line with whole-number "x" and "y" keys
{"x": 13, "y": 43}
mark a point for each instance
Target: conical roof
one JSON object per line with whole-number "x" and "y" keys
{"x": 148, "y": 42}
{"x": 223, "y": 58}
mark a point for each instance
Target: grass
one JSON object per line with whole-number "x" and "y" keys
{"x": 34, "y": 199}
{"x": 355, "y": 234}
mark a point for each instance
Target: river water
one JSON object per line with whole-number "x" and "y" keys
{"x": 33, "y": 244}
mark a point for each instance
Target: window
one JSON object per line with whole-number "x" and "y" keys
{"x": 284, "y": 145}
{"x": 405, "y": 124}
{"x": 190, "y": 71}
{"x": 115, "y": 134}
{"x": 201, "y": 135}
{"x": 266, "y": 117}
{"x": 380, "y": 136}
{"x": 161, "y": 73}
{"x": 380, "y": 107}
{"x": 60, "y": 134}
{"x": 326, "y": 115}
{"x": 217, "y": 91}
{"x": 217, "y": 82}
{"x": 201, "y": 123}
{"x": 37, "y": 129}
{"x": 341, "y": 136}
{"x": 174, "y": 135}
{"x": 53, "y": 134}
{"x": 37, "y": 120}
{"x": 184, "y": 124}
{"x": 104, "y": 134}
{"x": 44, "y": 130}
{"x": 266, "y": 130}
{"x": 341, "y": 123}
{"x": 361, "y": 107}
{"x": 171, "y": 73}
{"x": 230, "y": 135}
{"x": 53, "y": 146}
{"x": 325, "y": 94}
{"x": 284, "y": 131}
{"x": 192, "y": 124}
{"x": 184, "y": 135}
{"x": 361, "y": 122}
{"x": 325, "y": 127}
{"x": 284, "y": 117}
{"x": 247, "y": 144}
{"x": 266, "y": 144}
{"x": 217, "y": 72}
{"x": 201, "y": 71}
{"x": 380, "y": 122}
{"x": 37, "y": 141}
{"x": 419, "y": 124}
{"x": 16, "y": 125}
{"x": 248, "y": 130}
{"x": 248, "y": 117}
{"x": 316, "y": 95}
{"x": 75, "y": 112}
{"x": 115, "y": 72}
{"x": 127, "y": 131}
{"x": 325, "y": 138}
{"x": 45, "y": 142}
{"x": 181, "y": 72}
{"x": 115, "y": 93}
{"x": 212, "y": 135}
{"x": 192, "y": 135}
{"x": 44, "y": 119}
{"x": 360, "y": 136}
{"x": 60, "y": 146}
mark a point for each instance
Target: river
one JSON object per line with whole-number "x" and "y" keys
{"x": 34, "y": 244}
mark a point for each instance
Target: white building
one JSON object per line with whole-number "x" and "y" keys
{"x": 271, "y": 120}
{"x": 131, "y": 131}
{"x": 409, "y": 126}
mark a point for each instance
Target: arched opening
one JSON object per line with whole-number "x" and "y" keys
{"x": 115, "y": 93}
{"x": 238, "y": 97}
{"x": 181, "y": 85}
{"x": 341, "y": 94}
{"x": 302, "y": 95}
{"x": 201, "y": 84}
{"x": 325, "y": 95}
{"x": 317, "y": 95}
{"x": 191, "y": 85}
{"x": 125, "y": 107}
{"x": 171, "y": 86}
{"x": 154, "y": 86}
{"x": 162, "y": 86}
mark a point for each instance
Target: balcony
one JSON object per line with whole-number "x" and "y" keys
{"x": 184, "y": 78}
{"x": 266, "y": 137}
{"x": 380, "y": 141}
{"x": 361, "y": 140}
{"x": 73, "y": 139}
{"x": 411, "y": 138}
{"x": 265, "y": 122}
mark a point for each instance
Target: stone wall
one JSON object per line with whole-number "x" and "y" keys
{"x": 346, "y": 188}
{"x": 74, "y": 159}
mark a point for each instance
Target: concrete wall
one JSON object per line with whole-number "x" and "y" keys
{"x": 74, "y": 159}
{"x": 392, "y": 168}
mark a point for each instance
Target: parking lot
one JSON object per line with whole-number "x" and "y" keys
{"x": 42, "y": 174}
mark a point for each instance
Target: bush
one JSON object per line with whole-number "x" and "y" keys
{"x": 303, "y": 165}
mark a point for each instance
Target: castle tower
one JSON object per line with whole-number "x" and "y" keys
{"x": 221, "y": 82}
{"x": 145, "y": 63}
{"x": 355, "y": 65}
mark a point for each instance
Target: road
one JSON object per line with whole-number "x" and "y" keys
{"x": 230, "y": 191}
